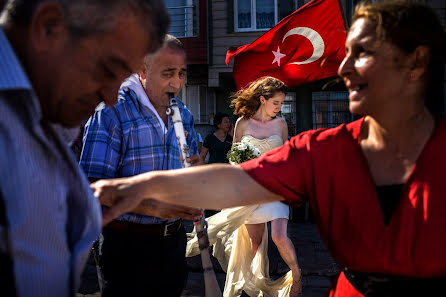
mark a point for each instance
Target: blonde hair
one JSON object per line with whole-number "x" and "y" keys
{"x": 246, "y": 101}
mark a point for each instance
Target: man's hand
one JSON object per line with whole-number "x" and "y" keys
{"x": 164, "y": 210}
{"x": 118, "y": 195}
{"x": 195, "y": 160}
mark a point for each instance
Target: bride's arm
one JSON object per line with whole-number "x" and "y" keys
{"x": 239, "y": 130}
{"x": 213, "y": 186}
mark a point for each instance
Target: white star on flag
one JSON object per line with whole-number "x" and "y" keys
{"x": 277, "y": 56}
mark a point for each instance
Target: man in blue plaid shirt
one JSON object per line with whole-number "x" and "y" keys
{"x": 142, "y": 254}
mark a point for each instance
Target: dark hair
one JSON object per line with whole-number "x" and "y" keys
{"x": 218, "y": 118}
{"x": 89, "y": 17}
{"x": 408, "y": 25}
{"x": 246, "y": 101}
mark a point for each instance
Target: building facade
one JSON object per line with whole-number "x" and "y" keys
{"x": 209, "y": 28}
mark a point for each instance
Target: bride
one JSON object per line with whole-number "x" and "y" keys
{"x": 240, "y": 235}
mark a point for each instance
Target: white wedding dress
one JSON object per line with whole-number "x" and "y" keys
{"x": 232, "y": 246}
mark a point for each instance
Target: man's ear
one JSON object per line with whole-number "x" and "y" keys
{"x": 48, "y": 29}
{"x": 419, "y": 62}
{"x": 142, "y": 71}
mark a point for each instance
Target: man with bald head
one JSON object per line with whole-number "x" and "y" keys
{"x": 142, "y": 253}
{"x": 58, "y": 60}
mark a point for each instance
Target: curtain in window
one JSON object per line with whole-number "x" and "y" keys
{"x": 264, "y": 14}
{"x": 244, "y": 13}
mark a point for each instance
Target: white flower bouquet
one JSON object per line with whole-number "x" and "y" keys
{"x": 241, "y": 152}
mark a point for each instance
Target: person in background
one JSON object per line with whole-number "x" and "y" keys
{"x": 376, "y": 185}
{"x": 218, "y": 144}
{"x": 58, "y": 60}
{"x": 142, "y": 253}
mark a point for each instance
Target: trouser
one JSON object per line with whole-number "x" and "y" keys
{"x": 135, "y": 264}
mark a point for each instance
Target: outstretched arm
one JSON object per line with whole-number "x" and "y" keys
{"x": 214, "y": 186}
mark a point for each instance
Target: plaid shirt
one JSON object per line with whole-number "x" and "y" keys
{"x": 128, "y": 139}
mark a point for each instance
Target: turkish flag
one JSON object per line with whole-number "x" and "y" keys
{"x": 305, "y": 46}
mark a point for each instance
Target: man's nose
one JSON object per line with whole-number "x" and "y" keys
{"x": 176, "y": 82}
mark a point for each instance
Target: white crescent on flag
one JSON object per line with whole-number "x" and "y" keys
{"x": 315, "y": 39}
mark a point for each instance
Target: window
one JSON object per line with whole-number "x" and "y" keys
{"x": 287, "y": 7}
{"x": 330, "y": 109}
{"x": 254, "y": 15}
{"x": 288, "y": 112}
{"x": 200, "y": 100}
{"x": 183, "y": 17}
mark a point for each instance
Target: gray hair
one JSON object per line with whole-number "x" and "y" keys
{"x": 89, "y": 17}
{"x": 169, "y": 41}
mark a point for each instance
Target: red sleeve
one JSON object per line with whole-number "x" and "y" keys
{"x": 286, "y": 171}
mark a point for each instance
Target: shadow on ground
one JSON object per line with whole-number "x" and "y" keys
{"x": 318, "y": 268}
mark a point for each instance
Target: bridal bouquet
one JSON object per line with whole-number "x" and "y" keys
{"x": 241, "y": 152}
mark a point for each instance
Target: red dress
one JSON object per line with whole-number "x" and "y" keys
{"x": 328, "y": 168}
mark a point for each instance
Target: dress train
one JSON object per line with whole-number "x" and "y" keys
{"x": 232, "y": 248}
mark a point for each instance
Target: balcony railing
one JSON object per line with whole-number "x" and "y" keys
{"x": 183, "y": 21}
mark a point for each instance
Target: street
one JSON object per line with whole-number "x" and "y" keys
{"x": 318, "y": 268}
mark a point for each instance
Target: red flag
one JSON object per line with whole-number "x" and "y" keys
{"x": 305, "y": 46}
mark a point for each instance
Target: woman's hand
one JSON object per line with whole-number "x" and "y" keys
{"x": 121, "y": 195}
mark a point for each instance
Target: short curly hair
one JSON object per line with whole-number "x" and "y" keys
{"x": 219, "y": 118}
{"x": 246, "y": 101}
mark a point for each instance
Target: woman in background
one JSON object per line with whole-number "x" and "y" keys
{"x": 218, "y": 144}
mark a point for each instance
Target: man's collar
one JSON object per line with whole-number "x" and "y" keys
{"x": 12, "y": 75}
{"x": 135, "y": 85}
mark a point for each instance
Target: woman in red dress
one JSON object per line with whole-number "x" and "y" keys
{"x": 376, "y": 185}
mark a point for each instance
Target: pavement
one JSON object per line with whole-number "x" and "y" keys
{"x": 318, "y": 267}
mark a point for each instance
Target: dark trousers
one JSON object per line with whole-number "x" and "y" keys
{"x": 135, "y": 264}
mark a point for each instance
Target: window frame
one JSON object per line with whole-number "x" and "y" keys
{"x": 336, "y": 107}
{"x": 288, "y": 113}
{"x": 191, "y": 19}
{"x": 253, "y": 17}
{"x": 196, "y": 107}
